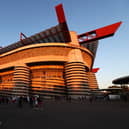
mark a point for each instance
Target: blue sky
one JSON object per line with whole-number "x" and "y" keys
{"x": 32, "y": 16}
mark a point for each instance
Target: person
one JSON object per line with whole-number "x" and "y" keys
{"x": 35, "y": 101}
{"x": 31, "y": 101}
{"x": 0, "y": 100}
{"x": 14, "y": 99}
{"x": 20, "y": 99}
{"x": 40, "y": 103}
{"x": 91, "y": 99}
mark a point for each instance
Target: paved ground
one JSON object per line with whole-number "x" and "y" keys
{"x": 64, "y": 115}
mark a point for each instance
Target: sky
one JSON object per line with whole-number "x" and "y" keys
{"x": 33, "y": 16}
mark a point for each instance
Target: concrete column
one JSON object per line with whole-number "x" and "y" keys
{"x": 21, "y": 80}
{"x": 92, "y": 81}
{"x": 75, "y": 71}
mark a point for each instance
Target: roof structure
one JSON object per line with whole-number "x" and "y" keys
{"x": 90, "y": 39}
{"x": 60, "y": 33}
{"x": 121, "y": 80}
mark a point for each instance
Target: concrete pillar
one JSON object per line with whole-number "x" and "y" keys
{"x": 21, "y": 80}
{"x": 75, "y": 71}
{"x": 92, "y": 81}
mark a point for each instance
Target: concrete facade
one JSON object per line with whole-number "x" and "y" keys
{"x": 48, "y": 69}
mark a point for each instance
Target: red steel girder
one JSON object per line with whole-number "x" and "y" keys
{"x": 22, "y": 35}
{"x": 60, "y": 13}
{"x": 95, "y": 70}
{"x": 98, "y": 34}
{"x": 62, "y": 22}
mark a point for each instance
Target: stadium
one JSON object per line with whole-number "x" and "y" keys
{"x": 53, "y": 62}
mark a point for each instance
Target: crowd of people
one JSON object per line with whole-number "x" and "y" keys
{"x": 33, "y": 101}
{"x": 36, "y": 102}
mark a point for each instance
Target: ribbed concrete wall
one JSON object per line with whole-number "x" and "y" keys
{"x": 76, "y": 78}
{"x": 48, "y": 80}
{"x": 21, "y": 80}
{"x": 92, "y": 81}
{"x": 6, "y": 82}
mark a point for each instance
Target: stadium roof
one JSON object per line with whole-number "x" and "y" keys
{"x": 60, "y": 33}
{"x": 121, "y": 80}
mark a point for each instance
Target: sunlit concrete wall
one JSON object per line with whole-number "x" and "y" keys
{"x": 47, "y": 69}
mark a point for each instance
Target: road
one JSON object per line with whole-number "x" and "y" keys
{"x": 65, "y": 115}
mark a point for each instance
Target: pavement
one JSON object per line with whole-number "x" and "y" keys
{"x": 66, "y": 115}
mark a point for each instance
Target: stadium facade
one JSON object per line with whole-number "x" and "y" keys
{"x": 54, "y": 62}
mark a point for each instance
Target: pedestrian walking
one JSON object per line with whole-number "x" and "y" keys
{"x": 40, "y": 102}
{"x": 20, "y": 102}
